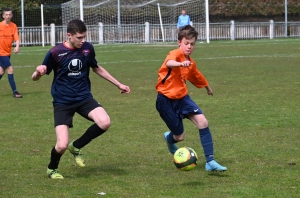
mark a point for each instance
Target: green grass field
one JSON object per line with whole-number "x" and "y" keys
{"x": 253, "y": 115}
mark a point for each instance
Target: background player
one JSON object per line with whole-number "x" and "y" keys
{"x": 8, "y": 34}
{"x": 183, "y": 20}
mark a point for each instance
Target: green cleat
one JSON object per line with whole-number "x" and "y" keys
{"x": 54, "y": 174}
{"x": 77, "y": 155}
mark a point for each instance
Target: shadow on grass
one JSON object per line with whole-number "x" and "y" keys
{"x": 193, "y": 183}
{"x": 218, "y": 174}
{"x": 92, "y": 171}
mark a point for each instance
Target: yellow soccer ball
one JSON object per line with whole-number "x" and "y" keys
{"x": 185, "y": 159}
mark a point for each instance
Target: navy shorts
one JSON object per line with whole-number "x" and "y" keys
{"x": 5, "y": 62}
{"x": 63, "y": 115}
{"x": 174, "y": 111}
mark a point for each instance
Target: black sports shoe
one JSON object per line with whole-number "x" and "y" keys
{"x": 17, "y": 95}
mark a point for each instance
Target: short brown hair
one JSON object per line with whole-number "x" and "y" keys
{"x": 6, "y": 10}
{"x": 187, "y": 32}
{"x": 76, "y": 26}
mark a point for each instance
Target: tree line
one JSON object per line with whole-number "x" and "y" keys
{"x": 220, "y": 10}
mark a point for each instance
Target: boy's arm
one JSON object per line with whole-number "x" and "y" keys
{"x": 172, "y": 63}
{"x": 104, "y": 74}
{"x": 40, "y": 70}
{"x": 16, "y": 50}
{"x": 178, "y": 22}
{"x": 209, "y": 90}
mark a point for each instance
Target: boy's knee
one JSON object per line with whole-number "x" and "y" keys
{"x": 61, "y": 147}
{"x": 103, "y": 124}
{"x": 179, "y": 138}
{"x": 203, "y": 124}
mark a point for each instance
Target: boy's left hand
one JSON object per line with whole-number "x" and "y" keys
{"x": 209, "y": 91}
{"x": 124, "y": 88}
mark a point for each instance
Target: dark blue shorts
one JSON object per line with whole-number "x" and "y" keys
{"x": 63, "y": 115}
{"x": 174, "y": 111}
{"x": 5, "y": 62}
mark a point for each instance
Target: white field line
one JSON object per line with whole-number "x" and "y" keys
{"x": 205, "y": 58}
{"x": 153, "y": 47}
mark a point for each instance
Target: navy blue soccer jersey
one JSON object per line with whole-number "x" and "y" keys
{"x": 71, "y": 67}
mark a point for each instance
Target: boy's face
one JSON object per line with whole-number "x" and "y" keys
{"x": 187, "y": 45}
{"x": 7, "y": 15}
{"x": 76, "y": 40}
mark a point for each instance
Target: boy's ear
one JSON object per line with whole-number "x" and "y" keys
{"x": 179, "y": 42}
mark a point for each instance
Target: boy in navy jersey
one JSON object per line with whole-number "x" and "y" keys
{"x": 71, "y": 91}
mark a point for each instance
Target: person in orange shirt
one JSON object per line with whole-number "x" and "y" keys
{"x": 8, "y": 34}
{"x": 173, "y": 102}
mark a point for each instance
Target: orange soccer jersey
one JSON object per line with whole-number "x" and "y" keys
{"x": 8, "y": 34}
{"x": 172, "y": 82}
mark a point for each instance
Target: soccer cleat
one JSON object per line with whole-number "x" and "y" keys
{"x": 172, "y": 147}
{"x": 54, "y": 174}
{"x": 17, "y": 95}
{"x": 77, "y": 155}
{"x": 213, "y": 166}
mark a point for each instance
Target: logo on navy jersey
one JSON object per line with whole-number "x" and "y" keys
{"x": 86, "y": 52}
{"x": 74, "y": 67}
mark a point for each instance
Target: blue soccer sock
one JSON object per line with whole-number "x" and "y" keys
{"x": 207, "y": 143}
{"x": 12, "y": 82}
{"x": 0, "y": 77}
{"x": 170, "y": 138}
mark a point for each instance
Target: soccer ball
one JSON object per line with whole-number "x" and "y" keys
{"x": 185, "y": 158}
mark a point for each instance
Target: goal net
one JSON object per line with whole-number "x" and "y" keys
{"x": 135, "y": 13}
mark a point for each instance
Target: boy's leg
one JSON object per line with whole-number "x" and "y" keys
{"x": 171, "y": 142}
{"x": 62, "y": 139}
{"x": 2, "y": 68}
{"x": 102, "y": 123}
{"x": 207, "y": 143}
{"x": 1, "y": 71}
{"x": 11, "y": 80}
{"x": 174, "y": 123}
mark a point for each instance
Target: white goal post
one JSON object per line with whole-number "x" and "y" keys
{"x": 123, "y": 13}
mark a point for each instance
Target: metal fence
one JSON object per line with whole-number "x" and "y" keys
{"x": 138, "y": 33}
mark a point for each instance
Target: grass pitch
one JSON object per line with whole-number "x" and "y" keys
{"x": 253, "y": 115}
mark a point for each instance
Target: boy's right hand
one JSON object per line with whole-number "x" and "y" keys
{"x": 41, "y": 69}
{"x": 186, "y": 63}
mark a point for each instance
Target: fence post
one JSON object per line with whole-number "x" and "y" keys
{"x": 232, "y": 36}
{"x": 271, "y": 29}
{"x": 52, "y": 34}
{"x": 101, "y": 40}
{"x": 147, "y": 32}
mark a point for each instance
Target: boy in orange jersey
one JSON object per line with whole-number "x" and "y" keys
{"x": 8, "y": 34}
{"x": 173, "y": 102}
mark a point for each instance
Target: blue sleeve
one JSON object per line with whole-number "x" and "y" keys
{"x": 49, "y": 62}
{"x": 93, "y": 62}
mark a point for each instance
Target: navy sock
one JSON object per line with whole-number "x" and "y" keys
{"x": 170, "y": 138}
{"x": 207, "y": 143}
{"x": 12, "y": 82}
{"x": 54, "y": 159}
{"x": 0, "y": 77}
{"x": 91, "y": 133}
